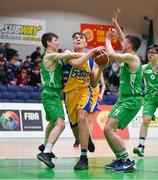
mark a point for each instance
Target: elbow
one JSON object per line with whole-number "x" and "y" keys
{"x": 111, "y": 55}
{"x": 94, "y": 85}
{"x": 103, "y": 86}
{"x": 75, "y": 65}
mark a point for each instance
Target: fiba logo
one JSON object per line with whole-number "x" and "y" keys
{"x": 32, "y": 120}
{"x": 31, "y": 116}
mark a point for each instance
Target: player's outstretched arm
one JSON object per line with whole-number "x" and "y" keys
{"x": 81, "y": 60}
{"x": 127, "y": 58}
{"x": 96, "y": 74}
{"x": 118, "y": 28}
{"x": 52, "y": 58}
{"x": 102, "y": 83}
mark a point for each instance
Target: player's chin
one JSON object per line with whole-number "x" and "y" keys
{"x": 56, "y": 49}
{"x": 78, "y": 46}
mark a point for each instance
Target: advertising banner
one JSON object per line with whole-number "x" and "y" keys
{"x": 31, "y": 120}
{"x": 21, "y": 31}
{"x": 96, "y": 35}
{"x": 99, "y": 120}
{"x": 27, "y": 120}
{"x": 10, "y": 120}
{"x": 134, "y": 126}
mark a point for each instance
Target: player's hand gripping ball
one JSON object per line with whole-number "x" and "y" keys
{"x": 101, "y": 58}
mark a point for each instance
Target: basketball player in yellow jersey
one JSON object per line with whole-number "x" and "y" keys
{"x": 51, "y": 76}
{"x": 78, "y": 95}
{"x": 97, "y": 97}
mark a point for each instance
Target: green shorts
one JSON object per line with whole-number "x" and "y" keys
{"x": 51, "y": 100}
{"x": 126, "y": 109}
{"x": 150, "y": 105}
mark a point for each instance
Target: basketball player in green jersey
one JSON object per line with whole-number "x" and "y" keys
{"x": 150, "y": 74}
{"x": 51, "y": 78}
{"x": 129, "y": 101}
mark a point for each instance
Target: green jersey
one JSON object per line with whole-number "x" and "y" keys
{"x": 151, "y": 80}
{"x": 130, "y": 82}
{"x": 51, "y": 79}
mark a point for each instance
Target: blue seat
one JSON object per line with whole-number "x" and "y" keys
{"x": 14, "y": 88}
{"x": 22, "y": 95}
{"x": 18, "y": 101}
{"x": 3, "y": 88}
{"x": 35, "y": 95}
{"x": 4, "y": 100}
{"x": 36, "y": 89}
{"x": 110, "y": 99}
{"x": 28, "y": 89}
{"x": 32, "y": 101}
{"x": 8, "y": 95}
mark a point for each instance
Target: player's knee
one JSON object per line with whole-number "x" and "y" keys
{"x": 82, "y": 120}
{"x": 107, "y": 129}
{"x": 146, "y": 121}
{"x": 61, "y": 124}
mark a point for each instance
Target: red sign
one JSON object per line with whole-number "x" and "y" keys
{"x": 99, "y": 120}
{"x": 96, "y": 35}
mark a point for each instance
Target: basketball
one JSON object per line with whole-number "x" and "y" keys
{"x": 101, "y": 58}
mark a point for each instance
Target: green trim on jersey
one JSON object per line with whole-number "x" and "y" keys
{"x": 151, "y": 80}
{"x": 130, "y": 82}
{"x": 52, "y": 79}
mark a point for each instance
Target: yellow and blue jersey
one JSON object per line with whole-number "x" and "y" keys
{"x": 77, "y": 89}
{"x": 77, "y": 77}
{"x": 94, "y": 101}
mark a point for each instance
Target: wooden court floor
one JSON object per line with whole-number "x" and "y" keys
{"x": 18, "y": 161}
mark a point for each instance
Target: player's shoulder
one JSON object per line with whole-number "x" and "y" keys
{"x": 64, "y": 60}
{"x": 134, "y": 56}
{"x": 68, "y": 50}
{"x": 144, "y": 66}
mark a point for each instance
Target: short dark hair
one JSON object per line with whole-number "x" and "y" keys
{"x": 38, "y": 55}
{"x": 38, "y": 48}
{"x": 80, "y": 34}
{"x": 28, "y": 56}
{"x": 153, "y": 47}
{"x": 135, "y": 41}
{"x": 2, "y": 59}
{"x": 48, "y": 37}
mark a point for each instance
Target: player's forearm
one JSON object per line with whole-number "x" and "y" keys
{"x": 102, "y": 83}
{"x": 96, "y": 77}
{"x": 119, "y": 31}
{"x": 71, "y": 55}
{"x": 102, "y": 90}
{"x": 65, "y": 55}
{"x": 125, "y": 57}
{"x": 109, "y": 49}
{"x": 81, "y": 60}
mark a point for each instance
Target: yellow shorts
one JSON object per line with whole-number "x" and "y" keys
{"x": 75, "y": 100}
{"x": 95, "y": 103}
